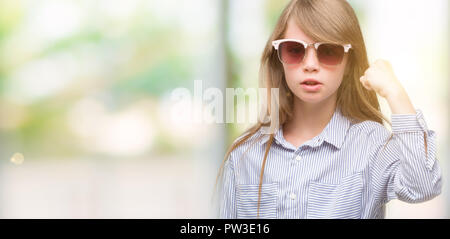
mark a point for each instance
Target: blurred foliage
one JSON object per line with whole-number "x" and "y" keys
{"x": 273, "y": 12}
{"x": 138, "y": 57}
{"x": 10, "y": 16}
{"x": 157, "y": 78}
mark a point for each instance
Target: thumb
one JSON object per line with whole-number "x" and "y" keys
{"x": 365, "y": 83}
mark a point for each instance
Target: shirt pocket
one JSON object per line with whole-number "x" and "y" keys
{"x": 342, "y": 200}
{"x": 247, "y": 200}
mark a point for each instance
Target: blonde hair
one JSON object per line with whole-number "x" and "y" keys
{"x": 323, "y": 21}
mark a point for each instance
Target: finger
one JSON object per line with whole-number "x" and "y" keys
{"x": 362, "y": 80}
{"x": 365, "y": 83}
{"x": 373, "y": 63}
{"x": 378, "y": 62}
{"x": 383, "y": 64}
{"x": 387, "y": 64}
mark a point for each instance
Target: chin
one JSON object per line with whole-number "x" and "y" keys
{"x": 312, "y": 98}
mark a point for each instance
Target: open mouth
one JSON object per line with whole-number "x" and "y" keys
{"x": 310, "y": 83}
{"x": 311, "y": 86}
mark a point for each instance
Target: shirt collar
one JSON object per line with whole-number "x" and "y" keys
{"x": 334, "y": 133}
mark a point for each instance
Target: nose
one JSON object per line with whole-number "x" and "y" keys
{"x": 310, "y": 63}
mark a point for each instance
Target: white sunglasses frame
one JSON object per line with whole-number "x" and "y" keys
{"x": 316, "y": 45}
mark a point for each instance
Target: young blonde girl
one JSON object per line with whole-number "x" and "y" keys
{"x": 330, "y": 155}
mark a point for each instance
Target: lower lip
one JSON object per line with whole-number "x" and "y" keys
{"x": 311, "y": 87}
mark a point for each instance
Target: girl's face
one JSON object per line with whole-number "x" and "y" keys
{"x": 310, "y": 68}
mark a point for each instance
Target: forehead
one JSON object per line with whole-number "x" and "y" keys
{"x": 293, "y": 31}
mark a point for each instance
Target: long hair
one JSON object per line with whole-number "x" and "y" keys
{"x": 323, "y": 21}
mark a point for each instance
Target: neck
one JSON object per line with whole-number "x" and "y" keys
{"x": 309, "y": 119}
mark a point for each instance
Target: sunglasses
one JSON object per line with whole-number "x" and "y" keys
{"x": 292, "y": 51}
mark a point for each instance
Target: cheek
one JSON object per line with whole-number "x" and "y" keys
{"x": 335, "y": 79}
{"x": 336, "y": 75}
{"x": 292, "y": 76}
{"x": 293, "y": 73}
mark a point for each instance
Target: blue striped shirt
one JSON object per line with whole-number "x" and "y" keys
{"x": 343, "y": 172}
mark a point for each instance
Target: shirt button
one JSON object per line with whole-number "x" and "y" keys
{"x": 292, "y": 196}
{"x": 422, "y": 123}
{"x": 298, "y": 158}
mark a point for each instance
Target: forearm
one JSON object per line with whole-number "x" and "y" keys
{"x": 399, "y": 102}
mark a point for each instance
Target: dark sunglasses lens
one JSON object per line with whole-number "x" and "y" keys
{"x": 330, "y": 54}
{"x": 291, "y": 52}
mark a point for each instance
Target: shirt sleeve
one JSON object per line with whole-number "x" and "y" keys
{"x": 405, "y": 168}
{"x": 227, "y": 191}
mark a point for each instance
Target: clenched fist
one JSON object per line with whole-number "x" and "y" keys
{"x": 380, "y": 77}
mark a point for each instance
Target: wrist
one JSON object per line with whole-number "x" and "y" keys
{"x": 395, "y": 91}
{"x": 400, "y": 103}
{"x": 395, "y": 94}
